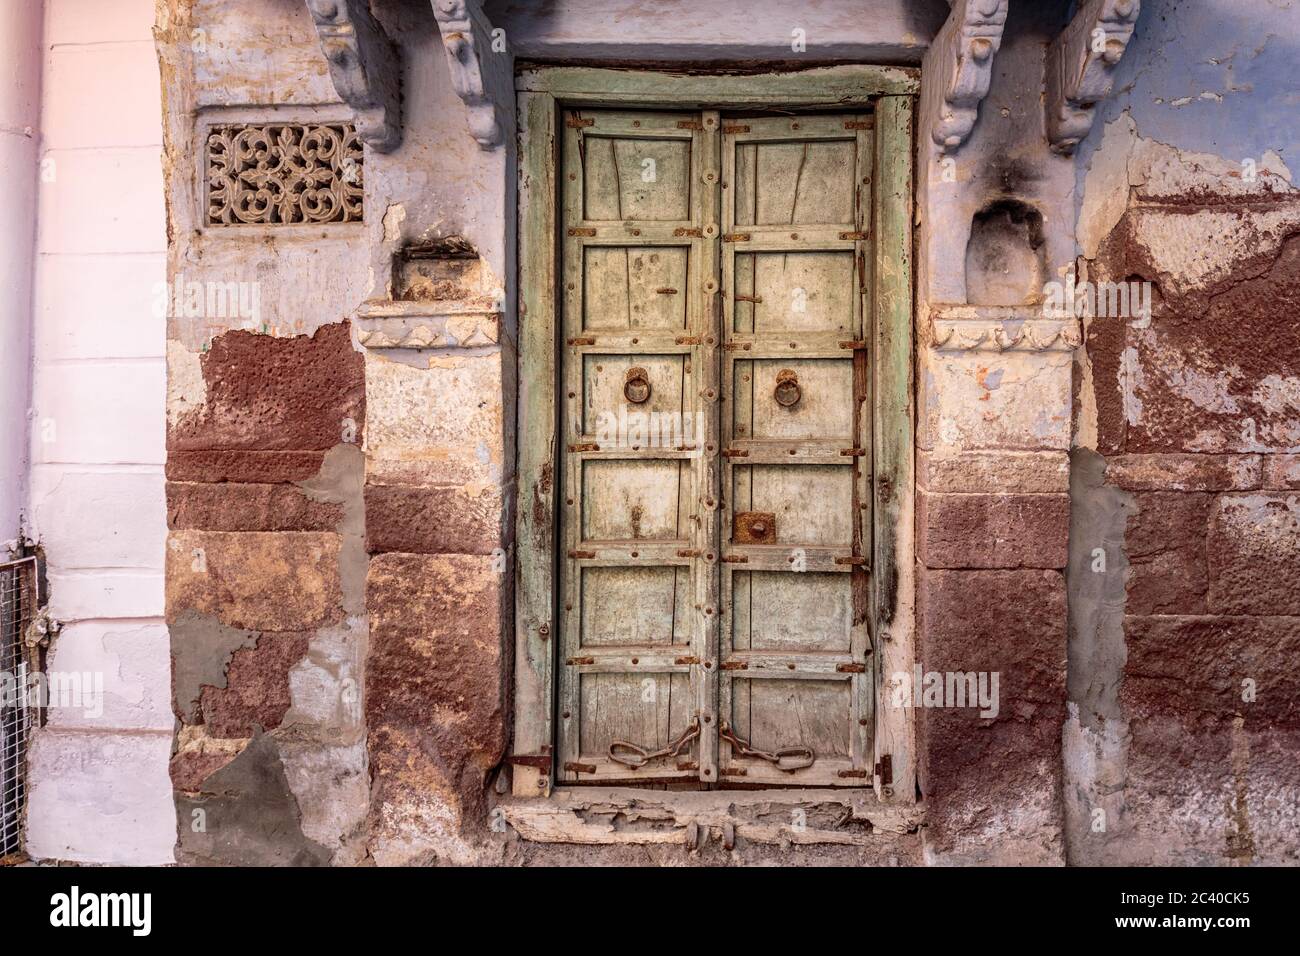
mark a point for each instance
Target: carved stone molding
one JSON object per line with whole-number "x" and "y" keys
{"x": 364, "y": 66}
{"x": 467, "y": 41}
{"x": 963, "y": 55}
{"x": 1081, "y": 66}
{"x": 390, "y": 324}
{"x": 971, "y": 328}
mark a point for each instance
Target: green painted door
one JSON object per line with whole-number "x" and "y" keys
{"x": 714, "y": 514}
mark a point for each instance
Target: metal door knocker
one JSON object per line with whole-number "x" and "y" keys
{"x": 787, "y": 391}
{"x": 636, "y": 387}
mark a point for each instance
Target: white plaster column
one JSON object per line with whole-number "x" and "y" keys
{"x": 21, "y": 22}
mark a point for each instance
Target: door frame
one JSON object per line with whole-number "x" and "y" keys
{"x": 543, "y": 92}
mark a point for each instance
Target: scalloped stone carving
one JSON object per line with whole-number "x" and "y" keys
{"x": 964, "y": 328}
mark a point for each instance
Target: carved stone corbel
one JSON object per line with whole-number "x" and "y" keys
{"x": 1081, "y": 67}
{"x": 962, "y": 57}
{"x": 364, "y": 66}
{"x": 479, "y": 64}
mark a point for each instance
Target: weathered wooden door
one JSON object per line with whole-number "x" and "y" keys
{"x": 715, "y": 508}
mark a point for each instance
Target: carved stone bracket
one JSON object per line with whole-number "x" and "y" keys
{"x": 389, "y": 324}
{"x": 1081, "y": 66}
{"x": 967, "y": 328}
{"x": 364, "y": 66}
{"x": 480, "y": 66}
{"x": 962, "y": 55}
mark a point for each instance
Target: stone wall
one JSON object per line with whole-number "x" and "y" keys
{"x": 1183, "y": 726}
{"x": 340, "y": 503}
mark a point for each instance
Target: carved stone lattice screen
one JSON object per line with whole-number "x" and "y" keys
{"x": 277, "y": 174}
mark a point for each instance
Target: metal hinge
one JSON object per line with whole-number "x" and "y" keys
{"x": 735, "y": 129}
{"x": 855, "y": 235}
{"x": 582, "y": 554}
{"x": 691, "y": 233}
{"x": 885, "y": 770}
{"x": 582, "y": 232}
{"x": 689, "y": 124}
{"x": 574, "y": 122}
{"x": 735, "y": 237}
{"x": 580, "y": 767}
{"x": 850, "y": 668}
{"x": 857, "y": 124}
{"x": 857, "y": 345}
{"x": 580, "y": 661}
{"x": 584, "y": 446}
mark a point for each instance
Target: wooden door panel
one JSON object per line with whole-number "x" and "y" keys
{"x": 634, "y": 287}
{"x": 812, "y": 504}
{"x": 821, "y": 411}
{"x": 795, "y": 612}
{"x": 606, "y": 408}
{"x": 637, "y": 384}
{"x": 636, "y": 168}
{"x": 634, "y": 606}
{"x": 796, "y": 683}
{"x": 808, "y": 178}
{"x": 633, "y": 500}
{"x": 795, "y": 290}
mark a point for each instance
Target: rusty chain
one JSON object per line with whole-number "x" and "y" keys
{"x": 630, "y": 755}
{"x": 789, "y": 760}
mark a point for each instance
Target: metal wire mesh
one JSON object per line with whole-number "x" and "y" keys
{"x": 17, "y": 604}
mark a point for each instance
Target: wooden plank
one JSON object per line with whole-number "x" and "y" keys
{"x": 849, "y": 86}
{"x": 708, "y": 479}
{"x": 535, "y": 622}
{"x": 893, "y": 591}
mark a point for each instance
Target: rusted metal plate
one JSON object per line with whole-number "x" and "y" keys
{"x": 754, "y": 527}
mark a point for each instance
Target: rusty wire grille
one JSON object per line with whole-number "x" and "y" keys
{"x": 17, "y": 605}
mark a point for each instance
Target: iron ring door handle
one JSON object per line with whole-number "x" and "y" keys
{"x": 636, "y": 386}
{"x": 787, "y": 392}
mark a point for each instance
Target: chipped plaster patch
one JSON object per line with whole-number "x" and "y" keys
{"x": 186, "y": 389}
{"x": 393, "y": 219}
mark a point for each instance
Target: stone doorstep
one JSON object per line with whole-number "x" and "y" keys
{"x": 587, "y": 815}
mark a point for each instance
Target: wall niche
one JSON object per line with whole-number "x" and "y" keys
{"x": 1006, "y": 256}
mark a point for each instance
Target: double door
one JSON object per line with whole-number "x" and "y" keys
{"x": 715, "y": 450}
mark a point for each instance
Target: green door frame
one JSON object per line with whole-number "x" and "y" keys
{"x": 890, "y": 92}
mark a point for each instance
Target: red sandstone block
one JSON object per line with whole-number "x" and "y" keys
{"x": 1009, "y": 621}
{"x": 1184, "y": 472}
{"x": 1199, "y": 670}
{"x": 228, "y": 506}
{"x": 1165, "y": 543}
{"x": 243, "y": 466}
{"x": 993, "y": 531}
{"x": 435, "y": 667}
{"x": 256, "y": 580}
{"x": 269, "y": 393}
{"x": 189, "y": 769}
{"x": 1253, "y": 551}
{"x": 427, "y": 520}
{"x": 1282, "y": 472}
{"x": 257, "y": 687}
